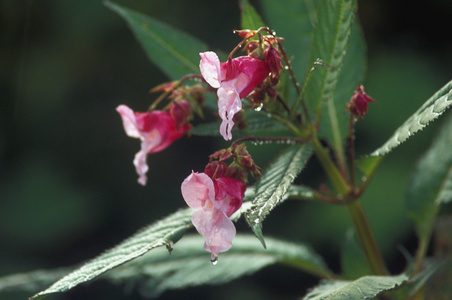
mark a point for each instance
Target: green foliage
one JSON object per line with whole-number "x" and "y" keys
{"x": 31, "y": 281}
{"x": 334, "y": 125}
{"x": 257, "y": 122}
{"x": 189, "y": 265}
{"x": 293, "y": 20}
{"x": 249, "y": 18}
{"x": 274, "y": 183}
{"x": 163, "y": 233}
{"x": 367, "y": 287}
{"x": 300, "y": 192}
{"x": 353, "y": 260}
{"x": 431, "y": 184}
{"x": 329, "y": 44}
{"x": 429, "y": 111}
{"x": 174, "y": 52}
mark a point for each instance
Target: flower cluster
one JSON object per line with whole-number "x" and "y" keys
{"x": 156, "y": 130}
{"x": 217, "y": 193}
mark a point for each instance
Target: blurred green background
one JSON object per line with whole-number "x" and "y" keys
{"x": 68, "y": 188}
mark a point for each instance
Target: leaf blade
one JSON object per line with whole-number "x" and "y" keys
{"x": 367, "y": 287}
{"x": 330, "y": 43}
{"x": 334, "y": 126}
{"x": 249, "y": 18}
{"x": 162, "y": 233}
{"x": 274, "y": 183}
{"x": 173, "y": 51}
{"x": 431, "y": 184}
{"x": 429, "y": 111}
{"x": 293, "y": 20}
{"x": 189, "y": 265}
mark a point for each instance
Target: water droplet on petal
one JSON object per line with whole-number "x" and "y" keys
{"x": 214, "y": 261}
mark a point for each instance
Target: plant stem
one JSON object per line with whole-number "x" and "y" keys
{"x": 367, "y": 239}
{"x": 330, "y": 168}
{"x": 351, "y": 150}
{"x": 362, "y": 227}
{"x": 423, "y": 244}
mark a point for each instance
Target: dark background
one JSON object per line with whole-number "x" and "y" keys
{"x": 68, "y": 188}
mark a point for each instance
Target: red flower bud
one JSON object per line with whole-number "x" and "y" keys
{"x": 273, "y": 58}
{"x": 358, "y": 103}
{"x": 180, "y": 111}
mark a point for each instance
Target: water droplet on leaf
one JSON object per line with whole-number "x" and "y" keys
{"x": 259, "y": 108}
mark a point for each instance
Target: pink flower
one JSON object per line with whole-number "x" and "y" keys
{"x": 234, "y": 79}
{"x": 214, "y": 202}
{"x": 156, "y": 130}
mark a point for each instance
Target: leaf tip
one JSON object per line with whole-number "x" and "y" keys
{"x": 257, "y": 229}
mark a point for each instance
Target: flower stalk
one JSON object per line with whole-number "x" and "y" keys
{"x": 363, "y": 230}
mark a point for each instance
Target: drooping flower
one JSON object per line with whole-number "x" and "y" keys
{"x": 214, "y": 202}
{"x": 156, "y": 130}
{"x": 234, "y": 79}
{"x": 358, "y": 103}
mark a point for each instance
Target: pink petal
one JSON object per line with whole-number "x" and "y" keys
{"x": 129, "y": 121}
{"x": 218, "y": 230}
{"x": 210, "y": 68}
{"x": 150, "y": 142}
{"x": 255, "y": 69}
{"x": 198, "y": 190}
{"x": 141, "y": 166}
{"x": 162, "y": 127}
{"x": 230, "y": 194}
{"x": 228, "y": 105}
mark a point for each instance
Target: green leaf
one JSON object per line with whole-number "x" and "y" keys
{"x": 249, "y": 17}
{"x": 334, "y": 125}
{"x": 258, "y": 122}
{"x": 31, "y": 281}
{"x": 353, "y": 261}
{"x": 429, "y": 111}
{"x": 189, "y": 265}
{"x": 293, "y": 20}
{"x": 207, "y": 129}
{"x": 368, "y": 164}
{"x": 174, "y": 52}
{"x": 431, "y": 184}
{"x": 330, "y": 43}
{"x": 163, "y": 233}
{"x": 274, "y": 183}
{"x": 430, "y": 273}
{"x": 367, "y": 287}
{"x": 300, "y": 192}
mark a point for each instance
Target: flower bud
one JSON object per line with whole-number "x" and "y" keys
{"x": 358, "y": 103}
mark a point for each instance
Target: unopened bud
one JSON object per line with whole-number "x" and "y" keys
{"x": 358, "y": 103}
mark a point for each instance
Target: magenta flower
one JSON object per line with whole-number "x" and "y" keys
{"x": 234, "y": 79}
{"x": 156, "y": 130}
{"x": 214, "y": 202}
